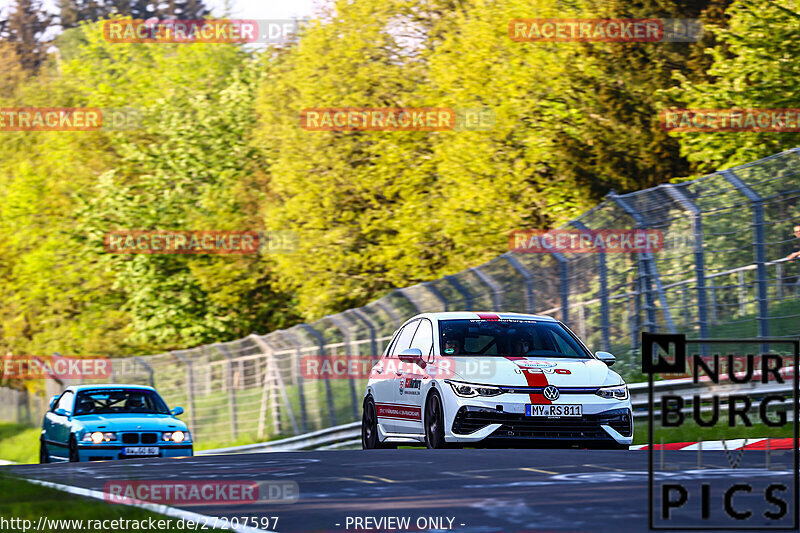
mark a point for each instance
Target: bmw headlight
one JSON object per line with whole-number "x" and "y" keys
{"x": 617, "y": 392}
{"x": 177, "y": 436}
{"x": 467, "y": 390}
{"x": 98, "y": 437}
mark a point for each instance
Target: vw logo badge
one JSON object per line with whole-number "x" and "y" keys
{"x": 551, "y": 393}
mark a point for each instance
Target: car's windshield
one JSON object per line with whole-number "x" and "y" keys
{"x": 508, "y": 338}
{"x": 104, "y": 401}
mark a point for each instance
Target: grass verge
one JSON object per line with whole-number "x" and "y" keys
{"x": 21, "y": 501}
{"x": 19, "y": 443}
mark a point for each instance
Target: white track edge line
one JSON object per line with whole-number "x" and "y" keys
{"x": 154, "y": 507}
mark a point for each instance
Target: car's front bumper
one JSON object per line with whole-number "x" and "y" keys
{"x": 503, "y": 419}
{"x": 614, "y": 426}
{"x": 109, "y": 452}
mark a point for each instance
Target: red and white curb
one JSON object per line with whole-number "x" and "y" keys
{"x": 733, "y": 444}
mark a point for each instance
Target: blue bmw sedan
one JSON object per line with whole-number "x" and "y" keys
{"x": 106, "y": 422}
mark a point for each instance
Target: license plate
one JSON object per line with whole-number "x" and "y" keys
{"x": 141, "y": 450}
{"x": 554, "y": 411}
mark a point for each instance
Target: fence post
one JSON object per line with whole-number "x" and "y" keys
{"x": 341, "y": 324}
{"x": 759, "y": 243}
{"x": 602, "y": 270}
{"x": 742, "y": 294}
{"x": 713, "y": 293}
{"x": 300, "y": 378}
{"x": 405, "y": 293}
{"x": 277, "y": 380}
{"x": 328, "y": 392}
{"x": 228, "y": 380}
{"x": 647, "y": 263}
{"x": 527, "y": 276}
{"x": 437, "y": 293}
{"x": 396, "y": 320}
{"x": 494, "y": 287}
{"x": 563, "y": 270}
{"x": 149, "y": 370}
{"x": 462, "y": 291}
{"x": 190, "y": 387}
{"x": 679, "y": 195}
{"x": 371, "y": 325}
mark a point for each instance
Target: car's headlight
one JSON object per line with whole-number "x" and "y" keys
{"x": 97, "y": 437}
{"x": 617, "y": 392}
{"x": 467, "y": 390}
{"x": 177, "y": 436}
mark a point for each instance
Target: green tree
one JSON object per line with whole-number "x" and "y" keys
{"x": 615, "y": 140}
{"x": 757, "y": 68}
{"x": 25, "y": 30}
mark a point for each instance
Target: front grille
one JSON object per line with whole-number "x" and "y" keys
{"x": 470, "y": 419}
{"x": 149, "y": 438}
{"x": 130, "y": 438}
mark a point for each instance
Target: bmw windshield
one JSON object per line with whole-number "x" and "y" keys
{"x": 106, "y": 401}
{"x": 522, "y": 338}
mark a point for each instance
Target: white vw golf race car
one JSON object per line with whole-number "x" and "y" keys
{"x": 488, "y": 379}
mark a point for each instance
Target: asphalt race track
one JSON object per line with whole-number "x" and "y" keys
{"x": 479, "y": 490}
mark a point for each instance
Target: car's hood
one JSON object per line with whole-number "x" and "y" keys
{"x": 131, "y": 422}
{"x": 515, "y": 371}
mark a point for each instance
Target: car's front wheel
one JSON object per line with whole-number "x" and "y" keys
{"x": 44, "y": 456}
{"x": 434, "y": 422}
{"x": 73, "y": 450}
{"x": 369, "y": 428}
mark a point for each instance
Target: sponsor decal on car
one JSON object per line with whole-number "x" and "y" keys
{"x": 410, "y": 386}
{"x": 398, "y": 412}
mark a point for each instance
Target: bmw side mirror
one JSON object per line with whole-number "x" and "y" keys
{"x": 177, "y": 411}
{"x": 606, "y": 357}
{"x": 53, "y": 401}
{"x": 412, "y": 355}
{"x": 61, "y": 411}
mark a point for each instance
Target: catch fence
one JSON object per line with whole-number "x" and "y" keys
{"x": 721, "y": 273}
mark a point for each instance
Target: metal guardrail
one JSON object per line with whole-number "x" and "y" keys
{"x": 348, "y": 435}
{"x": 316, "y": 440}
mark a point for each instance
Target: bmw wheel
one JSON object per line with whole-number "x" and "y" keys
{"x": 73, "y": 450}
{"x": 434, "y": 422}
{"x": 44, "y": 456}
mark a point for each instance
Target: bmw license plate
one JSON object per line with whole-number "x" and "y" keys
{"x": 140, "y": 450}
{"x": 554, "y": 411}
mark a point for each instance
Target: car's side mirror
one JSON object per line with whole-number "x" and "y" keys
{"x": 606, "y": 357}
{"x": 53, "y": 401}
{"x": 61, "y": 411}
{"x": 177, "y": 411}
{"x": 412, "y": 355}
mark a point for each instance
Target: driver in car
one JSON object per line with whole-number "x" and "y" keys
{"x": 453, "y": 343}
{"x": 520, "y": 344}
